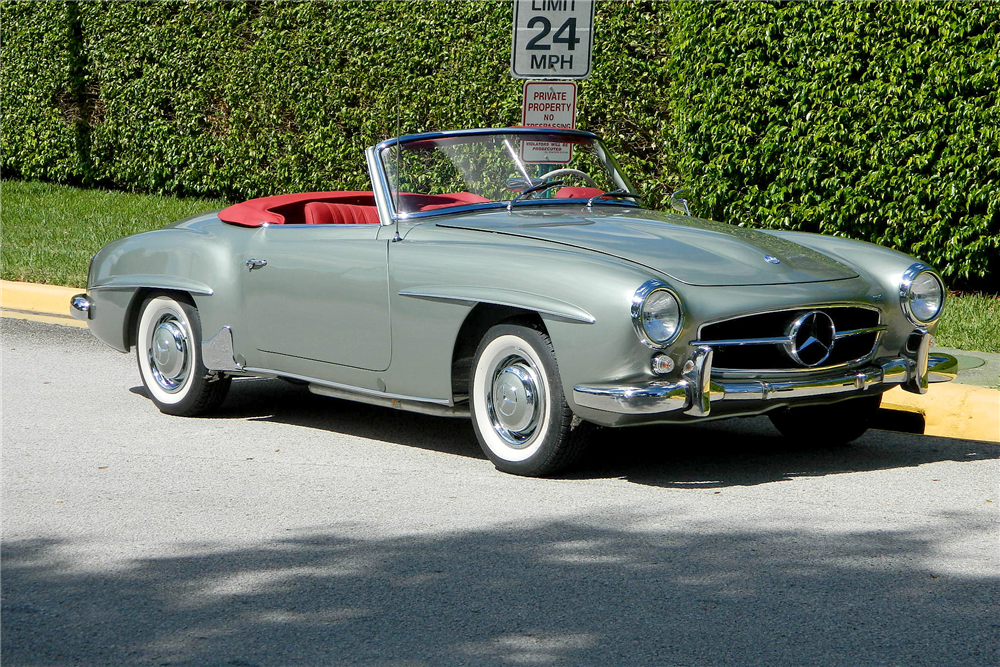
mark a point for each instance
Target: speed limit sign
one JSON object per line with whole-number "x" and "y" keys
{"x": 553, "y": 39}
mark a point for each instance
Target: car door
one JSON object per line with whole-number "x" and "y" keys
{"x": 320, "y": 293}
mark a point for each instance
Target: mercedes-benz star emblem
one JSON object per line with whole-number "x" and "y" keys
{"x": 811, "y": 338}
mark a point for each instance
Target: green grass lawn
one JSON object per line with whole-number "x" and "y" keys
{"x": 48, "y": 234}
{"x": 971, "y": 322}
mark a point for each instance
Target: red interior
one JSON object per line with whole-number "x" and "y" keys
{"x": 577, "y": 193}
{"x": 325, "y": 213}
{"x": 332, "y": 208}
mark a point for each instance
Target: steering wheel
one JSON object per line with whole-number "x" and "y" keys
{"x": 570, "y": 172}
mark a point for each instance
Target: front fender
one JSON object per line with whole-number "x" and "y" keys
{"x": 583, "y": 298}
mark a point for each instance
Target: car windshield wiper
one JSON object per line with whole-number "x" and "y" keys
{"x": 617, "y": 194}
{"x": 541, "y": 187}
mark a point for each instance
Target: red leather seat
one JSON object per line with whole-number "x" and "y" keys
{"x": 323, "y": 213}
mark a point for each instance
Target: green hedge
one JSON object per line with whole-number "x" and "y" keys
{"x": 877, "y": 121}
{"x": 248, "y": 99}
{"x": 42, "y": 128}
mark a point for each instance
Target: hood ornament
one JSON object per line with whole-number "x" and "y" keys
{"x": 771, "y": 259}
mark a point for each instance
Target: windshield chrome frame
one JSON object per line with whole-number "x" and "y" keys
{"x": 383, "y": 194}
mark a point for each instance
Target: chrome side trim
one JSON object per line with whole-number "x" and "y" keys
{"x": 192, "y": 289}
{"x": 356, "y": 391}
{"x": 658, "y": 397}
{"x": 386, "y": 402}
{"x": 81, "y": 307}
{"x": 217, "y": 352}
{"x": 500, "y": 297}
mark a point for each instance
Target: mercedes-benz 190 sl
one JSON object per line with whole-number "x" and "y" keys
{"x": 514, "y": 276}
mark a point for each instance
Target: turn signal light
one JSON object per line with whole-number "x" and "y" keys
{"x": 662, "y": 364}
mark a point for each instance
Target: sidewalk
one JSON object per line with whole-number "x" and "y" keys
{"x": 968, "y": 408}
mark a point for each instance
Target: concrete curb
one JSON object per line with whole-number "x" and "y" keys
{"x": 951, "y": 410}
{"x": 40, "y": 303}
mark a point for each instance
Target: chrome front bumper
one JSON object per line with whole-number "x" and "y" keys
{"x": 695, "y": 392}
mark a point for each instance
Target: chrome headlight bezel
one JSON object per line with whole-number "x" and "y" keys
{"x": 912, "y": 273}
{"x": 639, "y": 300}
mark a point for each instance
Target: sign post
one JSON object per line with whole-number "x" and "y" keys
{"x": 553, "y": 39}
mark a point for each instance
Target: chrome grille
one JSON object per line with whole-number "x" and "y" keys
{"x": 761, "y": 341}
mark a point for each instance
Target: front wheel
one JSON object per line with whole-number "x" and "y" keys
{"x": 827, "y": 425}
{"x": 518, "y": 408}
{"x": 168, "y": 349}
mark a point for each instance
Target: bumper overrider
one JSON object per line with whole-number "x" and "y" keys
{"x": 81, "y": 307}
{"x": 695, "y": 392}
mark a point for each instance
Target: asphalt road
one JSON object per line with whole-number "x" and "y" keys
{"x": 299, "y": 530}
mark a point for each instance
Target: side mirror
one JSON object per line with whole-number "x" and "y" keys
{"x": 679, "y": 201}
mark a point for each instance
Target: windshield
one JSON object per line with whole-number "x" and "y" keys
{"x": 435, "y": 172}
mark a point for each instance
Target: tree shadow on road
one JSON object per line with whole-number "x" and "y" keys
{"x": 566, "y": 592}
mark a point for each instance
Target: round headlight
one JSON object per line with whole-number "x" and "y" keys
{"x": 656, "y": 314}
{"x": 922, "y": 294}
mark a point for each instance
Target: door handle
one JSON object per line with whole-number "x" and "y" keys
{"x": 256, "y": 263}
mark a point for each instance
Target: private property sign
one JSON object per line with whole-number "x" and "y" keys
{"x": 553, "y": 39}
{"x": 548, "y": 104}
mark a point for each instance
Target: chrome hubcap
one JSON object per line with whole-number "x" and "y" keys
{"x": 515, "y": 400}
{"x": 168, "y": 355}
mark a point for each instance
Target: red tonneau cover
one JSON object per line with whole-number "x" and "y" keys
{"x": 287, "y": 209}
{"x": 290, "y": 209}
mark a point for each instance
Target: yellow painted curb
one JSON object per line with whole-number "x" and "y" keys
{"x": 40, "y": 303}
{"x": 952, "y": 410}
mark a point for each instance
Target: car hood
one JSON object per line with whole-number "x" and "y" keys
{"x": 690, "y": 250}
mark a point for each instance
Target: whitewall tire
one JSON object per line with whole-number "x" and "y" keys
{"x": 518, "y": 408}
{"x": 168, "y": 351}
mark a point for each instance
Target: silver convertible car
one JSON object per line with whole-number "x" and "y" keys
{"x": 512, "y": 275}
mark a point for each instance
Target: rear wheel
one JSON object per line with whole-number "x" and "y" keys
{"x": 825, "y": 425}
{"x": 168, "y": 349}
{"x": 519, "y": 412}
